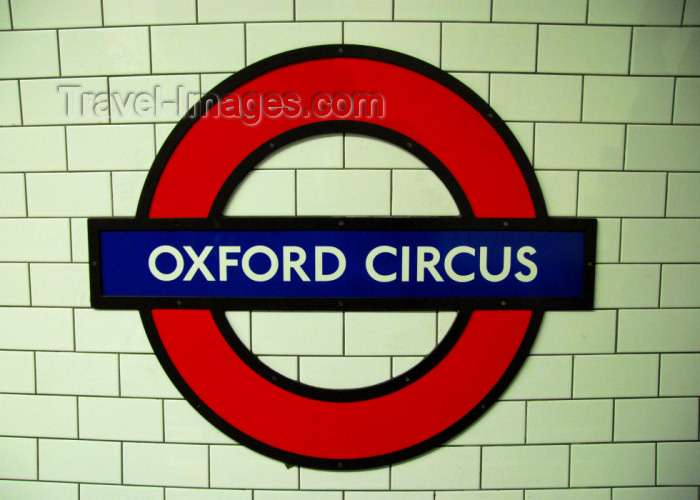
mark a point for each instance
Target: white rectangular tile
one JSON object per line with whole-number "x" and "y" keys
{"x": 373, "y": 479}
{"x": 658, "y": 419}
{"x": 666, "y": 51}
{"x": 134, "y": 12}
{"x": 581, "y": 421}
{"x": 540, "y": 11}
{"x": 608, "y": 241}
{"x": 32, "y": 14}
{"x": 120, "y": 419}
{"x": 10, "y": 113}
{"x": 370, "y": 152}
{"x": 420, "y": 193}
{"x": 118, "y": 492}
{"x": 575, "y": 332}
{"x": 635, "y": 12}
{"x": 110, "y": 147}
{"x": 661, "y": 240}
{"x": 149, "y": 99}
{"x": 679, "y": 285}
{"x": 79, "y": 461}
{"x": 686, "y": 103}
{"x": 343, "y": 10}
{"x": 219, "y": 11}
{"x": 18, "y": 151}
{"x": 239, "y": 467}
{"x": 17, "y": 372}
{"x": 622, "y": 194}
{"x": 503, "y": 423}
{"x": 58, "y": 101}
{"x": 5, "y": 17}
{"x": 489, "y": 47}
{"x": 297, "y": 332}
{"x": 110, "y": 331}
{"x": 266, "y": 39}
{"x": 211, "y": 494}
{"x": 25, "y": 240}
{"x": 15, "y": 291}
{"x": 28, "y": 490}
{"x": 69, "y": 194}
{"x": 165, "y": 464}
{"x": 536, "y": 97}
{"x": 627, "y": 99}
{"x": 324, "y": 151}
{"x": 186, "y": 49}
{"x": 659, "y": 330}
{"x": 126, "y": 192}
{"x": 24, "y": 462}
{"x": 442, "y": 10}
{"x": 344, "y": 372}
{"x": 39, "y": 416}
{"x": 615, "y": 375}
{"x": 421, "y": 40}
{"x": 680, "y": 375}
{"x": 583, "y": 49}
{"x": 13, "y": 194}
{"x": 77, "y": 373}
{"x": 612, "y": 464}
{"x": 676, "y": 463}
{"x": 264, "y": 192}
{"x": 560, "y": 190}
{"x": 541, "y": 377}
{"x": 346, "y": 192}
{"x": 450, "y": 467}
{"x": 691, "y": 14}
{"x": 626, "y": 285}
{"x": 42, "y": 328}
{"x": 28, "y": 54}
{"x": 482, "y": 495}
{"x": 681, "y": 197}
{"x": 388, "y": 495}
{"x": 663, "y": 148}
{"x": 141, "y": 375}
{"x": 104, "y": 51}
{"x": 655, "y": 493}
{"x": 541, "y": 466}
{"x": 389, "y": 333}
{"x": 184, "y": 425}
{"x": 579, "y": 146}
{"x": 287, "y": 366}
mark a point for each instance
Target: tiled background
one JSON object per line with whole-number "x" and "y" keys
{"x": 604, "y": 96}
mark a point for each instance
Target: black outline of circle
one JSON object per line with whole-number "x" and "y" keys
{"x": 442, "y": 78}
{"x": 430, "y": 360}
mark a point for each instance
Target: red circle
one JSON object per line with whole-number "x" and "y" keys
{"x": 295, "y": 426}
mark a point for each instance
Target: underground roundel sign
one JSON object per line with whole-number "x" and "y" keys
{"x": 500, "y": 263}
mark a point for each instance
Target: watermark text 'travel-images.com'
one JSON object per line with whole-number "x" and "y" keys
{"x": 250, "y": 108}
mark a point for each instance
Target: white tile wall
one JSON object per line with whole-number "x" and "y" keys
{"x": 604, "y": 97}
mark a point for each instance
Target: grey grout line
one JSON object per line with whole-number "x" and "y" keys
{"x": 245, "y": 44}
{"x": 629, "y": 61}
{"x": 150, "y": 50}
{"x": 9, "y": 10}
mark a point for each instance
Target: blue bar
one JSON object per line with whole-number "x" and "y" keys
{"x": 405, "y": 264}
